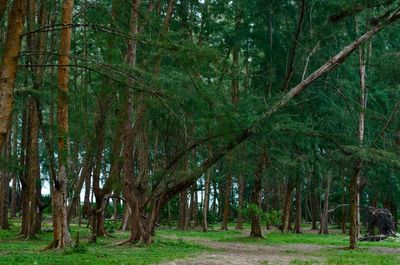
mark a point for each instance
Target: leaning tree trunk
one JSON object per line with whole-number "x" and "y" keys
{"x": 62, "y": 237}
{"x": 9, "y": 66}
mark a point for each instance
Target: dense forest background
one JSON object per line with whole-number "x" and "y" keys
{"x": 193, "y": 113}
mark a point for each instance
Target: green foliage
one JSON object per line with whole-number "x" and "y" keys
{"x": 274, "y": 218}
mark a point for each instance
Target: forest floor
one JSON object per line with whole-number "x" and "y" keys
{"x": 237, "y": 248}
{"x": 193, "y": 247}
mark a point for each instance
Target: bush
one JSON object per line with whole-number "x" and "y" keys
{"x": 274, "y": 218}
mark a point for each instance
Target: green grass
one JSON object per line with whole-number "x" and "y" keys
{"x": 333, "y": 250}
{"x": 361, "y": 256}
{"x": 275, "y": 237}
{"x": 173, "y": 244}
{"x": 14, "y": 250}
{"x": 216, "y": 235}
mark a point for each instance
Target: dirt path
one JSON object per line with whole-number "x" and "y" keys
{"x": 246, "y": 254}
{"x": 234, "y": 253}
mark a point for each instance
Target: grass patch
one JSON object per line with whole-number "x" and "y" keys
{"x": 173, "y": 244}
{"x": 361, "y": 256}
{"x": 14, "y": 250}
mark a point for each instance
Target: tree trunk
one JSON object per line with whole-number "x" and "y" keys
{"x": 297, "y": 225}
{"x": 355, "y": 179}
{"x": 193, "y": 205}
{"x": 267, "y": 192}
{"x": 325, "y": 213}
{"x": 14, "y": 195}
{"x": 287, "y": 207}
{"x": 182, "y": 224}
{"x": 227, "y": 202}
{"x": 4, "y": 182}
{"x": 86, "y": 200}
{"x": 353, "y": 192}
{"x": 206, "y": 200}
{"x": 33, "y": 172}
{"x": 344, "y": 212}
{"x": 62, "y": 237}
{"x": 125, "y": 219}
{"x": 9, "y": 66}
{"x": 256, "y": 197}
{"x": 215, "y": 196}
{"x": 115, "y": 214}
{"x": 99, "y": 194}
{"x": 313, "y": 198}
{"x": 241, "y": 186}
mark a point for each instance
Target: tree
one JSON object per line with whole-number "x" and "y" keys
{"x": 62, "y": 237}
{"x": 9, "y": 66}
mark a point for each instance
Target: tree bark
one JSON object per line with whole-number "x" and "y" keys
{"x": 4, "y": 182}
{"x": 227, "y": 201}
{"x": 287, "y": 207}
{"x": 14, "y": 195}
{"x": 344, "y": 212}
{"x": 9, "y": 66}
{"x": 325, "y": 213}
{"x": 353, "y": 192}
{"x": 256, "y": 197}
{"x": 297, "y": 225}
{"x": 62, "y": 237}
{"x": 33, "y": 172}
{"x": 313, "y": 198}
{"x": 193, "y": 205}
{"x": 182, "y": 224}
{"x": 355, "y": 179}
{"x": 241, "y": 186}
{"x": 206, "y": 200}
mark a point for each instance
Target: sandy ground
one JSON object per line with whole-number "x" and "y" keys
{"x": 246, "y": 254}
{"x": 234, "y": 253}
